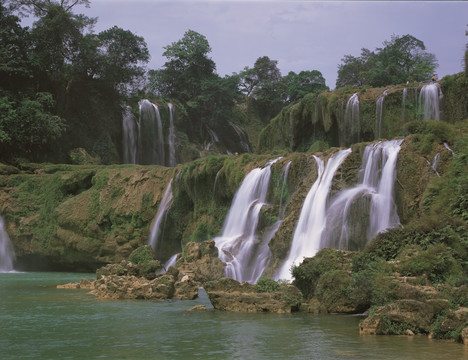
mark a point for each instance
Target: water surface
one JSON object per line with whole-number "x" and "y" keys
{"x": 38, "y": 321}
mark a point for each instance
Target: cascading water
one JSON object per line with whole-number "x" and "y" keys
{"x": 312, "y": 220}
{"x": 165, "y": 204}
{"x": 245, "y": 256}
{"x": 410, "y": 99}
{"x": 449, "y": 149}
{"x": 352, "y": 123}
{"x": 434, "y": 163}
{"x": 150, "y": 146}
{"x": 429, "y": 99}
{"x": 172, "y": 137}
{"x": 383, "y": 211}
{"x": 370, "y": 201}
{"x": 242, "y": 137}
{"x": 7, "y": 254}
{"x": 285, "y": 180}
{"x": 130, "y": 137}
{"x": 379, "y": 113}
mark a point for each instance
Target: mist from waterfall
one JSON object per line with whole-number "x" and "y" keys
{"x": 312, "y": 220}
{"x": 164, "y": 205}
{"x": 244, "y": 252}
{"x": 7, "y": 253}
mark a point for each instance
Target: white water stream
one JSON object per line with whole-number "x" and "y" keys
{"x": 244, "y": 253}
{"x": 312, "y": 220}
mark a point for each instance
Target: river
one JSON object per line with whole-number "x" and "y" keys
{"x": 39, "y": 321}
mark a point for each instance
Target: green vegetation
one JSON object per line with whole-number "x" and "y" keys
{"x": 401, "y": 59}
{"x": 265, "y": 284}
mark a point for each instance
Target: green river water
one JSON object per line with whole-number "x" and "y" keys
{"x": 38, "y": 321}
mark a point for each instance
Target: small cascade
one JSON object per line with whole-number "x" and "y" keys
{"x": 403, "y": 104}
{"x": 150, "y": 146}
{"x": 171, "y": 137}
{"x": 214, "y": 139}
{"x": 239, "y": 247}
{"x": 429, "y": 100}
{"x": 434, "y": 163}
{"x": 370, "y": 201}
{"x": 7, "y": 253}
{"x": 410, "y": 99}
{"x": 352, "y": 123}
{"x": 130, "y": 137}
{"x": 449, "y": 149}
{"x": 242, "y": 137}
{"x": 165, "y": 204}
{"x": 379, "y": 113}
{"x": 312, "y": 220}
{"x": 285, "y": 180}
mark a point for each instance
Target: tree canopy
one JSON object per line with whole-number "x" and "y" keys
{"x": 401, "y": 59}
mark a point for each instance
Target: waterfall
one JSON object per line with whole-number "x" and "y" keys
{"x": 239, "y": 247}
{"x": 172, "y": 137}
{"x": 403, "y": 104}
{"x": 383, "y": 212}
{"x": 352, "y": 123}
{"x": 312, "y": 220}
{"x": 370, "y": 201}
{"x": 285, "y": 180}
{"x": 7, "y": 253}
{"x": 130, "y": 137}
{"x": 449, "y": 149}
{"x": 429, "y": 99}
{"x": 242, "y": 137}
{"x": 165, "y": 204}
{"x": 150, "y": 147}
{"x": 379, "y": 113}
{"x": 434, "y": 163}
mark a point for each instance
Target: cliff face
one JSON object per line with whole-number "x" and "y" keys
{"x": 80, "y": 217}
{"x": 328, "y": 120}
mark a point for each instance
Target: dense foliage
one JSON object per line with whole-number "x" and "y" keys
{"x": 401, "y": 59}
{"x": 62, "y": 84}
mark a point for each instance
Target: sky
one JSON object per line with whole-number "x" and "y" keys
{"x": 300, "y": 35}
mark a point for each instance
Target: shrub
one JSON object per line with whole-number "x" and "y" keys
{"x": 309, "y": 271}
{"x": 265, "y": 284}
{"x": 141, "y": 255}
{"x": 436, "y": 263}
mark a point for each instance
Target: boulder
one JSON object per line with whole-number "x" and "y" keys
{"x": 197, "y": 265}
{"x": 230, "y": 295}
{"x": 464, "y": 335}
{"x": 415, "y": 314}
{"x": 132, "y": 287}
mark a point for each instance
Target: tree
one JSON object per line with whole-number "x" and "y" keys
{"x": 187, "y": 66}
{"x": 27, "y": 126}
{"x": 122, "y": 56}
{"x": 264, "y": 84}
{"x": 14, "y": 47}
{"x": 40, "y": 7}
{"x": 401, "y": 59}
{"x": 306, "y": 82}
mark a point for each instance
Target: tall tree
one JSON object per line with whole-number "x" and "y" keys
{"x": 402, "y": 59}
{"x": 123, "y": 56}
{"x": 299, "y": 85}
{"x": 186, "y": 67}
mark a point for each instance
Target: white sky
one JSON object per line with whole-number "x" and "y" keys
{"x": 301, "y": 35}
